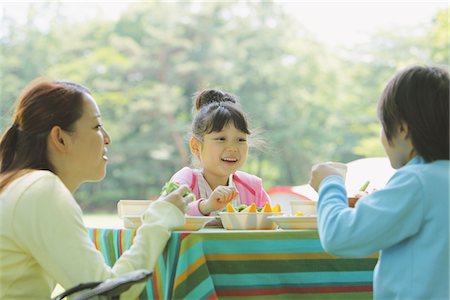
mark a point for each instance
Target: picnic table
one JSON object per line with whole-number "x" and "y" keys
{"x": 219, "y": 263}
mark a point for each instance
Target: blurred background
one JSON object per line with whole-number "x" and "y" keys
{"x": 308, "y": 75}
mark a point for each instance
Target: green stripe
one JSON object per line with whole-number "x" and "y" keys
{"x": 288, "y": 266}
{"x": 231, "y": 235}
{"x": 193, "y": 281}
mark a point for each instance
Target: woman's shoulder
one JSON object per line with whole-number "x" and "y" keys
{"x": 31, "y": 178}
{"x": 33, "y": 190}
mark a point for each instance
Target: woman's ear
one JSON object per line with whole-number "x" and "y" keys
{"x": 58, "y": 139}
{"x": 194, "y": 145}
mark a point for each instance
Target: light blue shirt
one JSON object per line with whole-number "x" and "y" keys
{"x": 407, "y": 221}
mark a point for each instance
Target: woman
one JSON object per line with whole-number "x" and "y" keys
{"x": 55, "y": 143}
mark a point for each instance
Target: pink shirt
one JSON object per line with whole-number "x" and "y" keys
{"x": 249, "y": 187}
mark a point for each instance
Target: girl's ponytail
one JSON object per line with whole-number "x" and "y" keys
{"x": 8, "y": 146}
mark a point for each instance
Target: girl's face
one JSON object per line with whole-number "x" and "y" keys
{"x": 400, "y": 151}
{"x": 88, "y": 144}
{"x": 223, "y": 153}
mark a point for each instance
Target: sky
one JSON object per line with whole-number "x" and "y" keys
{"x": 351, "y": 21}
{"x": 336, "y": 23}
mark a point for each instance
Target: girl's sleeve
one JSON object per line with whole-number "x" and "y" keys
{"x": 184, "y": 176}
{"x": 379, "y": 220}
{"x": 264, "y": 198}
{"x": 50, "y": 227}
{"x": 193, "y": 208}
{"x": 261, "y": 195}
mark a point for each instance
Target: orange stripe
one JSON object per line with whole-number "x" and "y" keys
{"x": 120, "y": 232}
{"x": 192, "y": 267}
{"x": 96, "y": 239}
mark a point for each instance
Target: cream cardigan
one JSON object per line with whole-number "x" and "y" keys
{"x": 43, "y": 240}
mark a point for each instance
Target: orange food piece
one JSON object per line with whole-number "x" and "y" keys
{"x": 276, "y": 208}
{"x": 230, "y": 208}
{"x": 250, "y": 208}
{"x": 266, "y": 208}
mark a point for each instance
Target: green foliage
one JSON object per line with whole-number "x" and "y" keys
{"x": 439, "y": 37}
{"x": 312, "y": 103}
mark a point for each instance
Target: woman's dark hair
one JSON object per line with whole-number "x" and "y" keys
{"x": 419, "y": 97}
{"x": 216, "y": 109}
{"x": 43, "y": 105}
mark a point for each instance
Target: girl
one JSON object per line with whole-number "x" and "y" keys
{"x": 407, "y": 221}
{"x": 55, "y": 143}
{"x": 220, "y": 144}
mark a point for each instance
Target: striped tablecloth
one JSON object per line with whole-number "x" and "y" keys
{"x": 212, "y": 264}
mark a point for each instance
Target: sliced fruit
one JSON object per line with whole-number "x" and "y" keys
{"x": 299, "y": 214}
{"x": 266, "y": 208}
{"x": 276, "y": 208}
{"x": 230, "y": 208}
{"x": 251, "y": 208}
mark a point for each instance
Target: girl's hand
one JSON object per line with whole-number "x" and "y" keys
{"x": 320, "y": 171}
{"x": 219, "y": 198}
{"x": 177, "y": 199}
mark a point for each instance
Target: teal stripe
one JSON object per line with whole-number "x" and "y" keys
{"x": 189, "y": 257}
{"x": 91, "y": 233}
{"x": 116, "y": 234}
{"x": 172, "y": 261}
{"x": 262, "y": 246}
{"x": 127, "y": 237}
{"x": 103, "y": 239}
{"x": 284, "y": 279}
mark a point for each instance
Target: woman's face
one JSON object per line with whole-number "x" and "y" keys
{"x": 223, "y": 153}
{"x": 88, "y": 143}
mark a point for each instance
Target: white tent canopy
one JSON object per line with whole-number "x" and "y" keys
{"x": 376, "y": 170}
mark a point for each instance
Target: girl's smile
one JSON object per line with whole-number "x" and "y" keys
{"x": 221, "y": 153}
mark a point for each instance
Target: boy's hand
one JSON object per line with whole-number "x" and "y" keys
{"x": 218, "y": 199}
{"x": 320, "y": 171}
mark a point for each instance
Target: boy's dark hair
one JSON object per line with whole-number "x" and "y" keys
{"x": 419, "y": 97}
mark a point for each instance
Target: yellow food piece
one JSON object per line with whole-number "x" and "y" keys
{"x": 276, "y": 208}
{"x": 251, "y": 208}
{"x": 266, "y": 208}
{"x": 230, "y": 208}
{"x": 299, "y": 214}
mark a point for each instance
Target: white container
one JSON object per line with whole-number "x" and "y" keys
{"x": 248, "y": 220}
{"x": 131, "y": 211}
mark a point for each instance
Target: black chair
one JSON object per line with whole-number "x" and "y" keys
{"x": 108, "y": 289}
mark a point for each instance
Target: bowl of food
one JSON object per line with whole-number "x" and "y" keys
{"x": 306, "y": 208}
{"x": 249, "y": 218}
{"x": 361, "y": 193}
